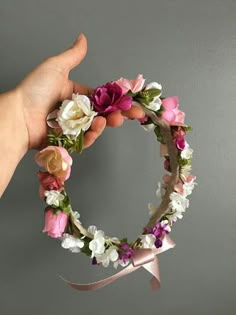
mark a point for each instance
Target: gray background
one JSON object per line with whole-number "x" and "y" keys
{"x": 189, "y": 47}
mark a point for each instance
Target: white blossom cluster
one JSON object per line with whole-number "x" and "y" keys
{"x": 179, "y": 202}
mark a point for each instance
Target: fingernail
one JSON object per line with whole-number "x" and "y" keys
{"x": 80, "y": 36}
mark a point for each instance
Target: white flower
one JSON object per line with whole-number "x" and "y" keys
{"x": 97, "y": 245}
{"x": 187, "y": 153}
{"x": 110, "y": 254}
{"x": 160, "y": 192}
{"x": 75, "y": 115}
{"x": 165, "y": 225}
{"x": 53, "y": 197}
{"x": 153, "y": 85}
{"x": 148, "y": 127}
{"x": 155, "y": 105}
{"x": 178, "y": 202}
{"x": 152, "y": 209}
{"x": 188, "y": 187}
{"x": 76, "y": 215}
{"x": 121, "y": 263}
{"x": 175, "y": 215}
{"x": 72, "y": 243}
{"x": 148, "y": 240}
{"x": 92, "y": 229}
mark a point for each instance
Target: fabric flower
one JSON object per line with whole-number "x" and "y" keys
{"x": 148, "y": 240}
{"x": 48, "y": 182}
{"x": 56, "y": 161}
{"x": 134, "y": 85}
{"x": 51, "y": 120}
{"x": 53, "y": 197}
{"x": 189, "y": 185}
{"x": 109, "y": 98}
{"x": 155, "y": 105}
{"x": 75, "y": 115}
{"x": 110, "y": 254}
{"x": 121, "y": 263}
{"x": 72, "y": 243}
{"x": 171, "y": 113}
{"x": 55, "y": 224}
{"x": 178, "y": 202}
{"x": 97, "y": 244}
{"x": 161, "y": 228}
{"x": 179, "y": 138}
{"x": 187, "y": 153}
{"x": 126, "y": 252}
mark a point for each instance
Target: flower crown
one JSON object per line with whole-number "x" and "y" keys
{"x": 68, "y": 124}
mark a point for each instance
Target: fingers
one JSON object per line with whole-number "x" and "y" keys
{"x": 73, "y": 56}
{"x": 81, "y": 89}
{"x": 134, "y": 112}
{"x": 95, "y": 131}
{"x": 115, "y": 119}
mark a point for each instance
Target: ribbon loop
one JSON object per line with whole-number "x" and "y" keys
{"x": 145, "y": 258}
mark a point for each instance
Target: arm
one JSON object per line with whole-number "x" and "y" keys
{"x": 13, "y": 136}
{"x": 23, "y": 111}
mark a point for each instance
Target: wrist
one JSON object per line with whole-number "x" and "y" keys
{"x": 12, "y": 121}
{"x": 13, "y": 135}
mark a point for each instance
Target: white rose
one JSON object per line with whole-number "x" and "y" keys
{"x": 75, "y": 115}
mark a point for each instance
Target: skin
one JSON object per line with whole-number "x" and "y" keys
{"x": 24, "y": 109}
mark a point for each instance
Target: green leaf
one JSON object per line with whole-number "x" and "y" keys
{"x": 158, "y": 134}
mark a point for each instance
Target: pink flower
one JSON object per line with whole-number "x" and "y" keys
{"x": 179, "y": 138}
{"x": 171, "y": 112}
{"x": 55, "y": 224}
{"x": 134, "y": 85}
{"x": 56, "y": 161}
{"x": 48, "y": 182}
{"x": 109, "y": 98}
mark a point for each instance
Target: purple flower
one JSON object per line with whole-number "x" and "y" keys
{"x": 126, "y": 252}
{"x": 161, "y": 228}
{"x": 158, "y": 243}
{"x": 109, "y": 98}
{"x": 94, "y": 261}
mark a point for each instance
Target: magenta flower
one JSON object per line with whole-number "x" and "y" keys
{"x": 171, "y": 113}
{"x": 109, "y": 98}
{"x": 126, "y": 252}
{"x": 55, "y": 224}
{"x": 180, "y": 143}
{"x": 179, "y": 137}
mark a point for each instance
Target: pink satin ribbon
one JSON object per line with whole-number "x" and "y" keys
{"x": 145, "y": 258}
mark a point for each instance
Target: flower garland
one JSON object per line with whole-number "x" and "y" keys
{"x": 67, "y": 126}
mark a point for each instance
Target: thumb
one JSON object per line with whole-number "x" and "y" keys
{"x": 73, "y": 56}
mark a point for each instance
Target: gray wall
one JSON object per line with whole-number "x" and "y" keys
{"x": 188, "y": 46}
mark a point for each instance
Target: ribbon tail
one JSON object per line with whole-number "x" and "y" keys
{"x": 153, "y": 268}
{"x": 102, "y": 283}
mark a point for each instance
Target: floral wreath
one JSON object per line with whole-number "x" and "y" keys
{"x": 67, "y": 126}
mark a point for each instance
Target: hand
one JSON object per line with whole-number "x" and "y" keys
{"x": 49, "y": 84}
